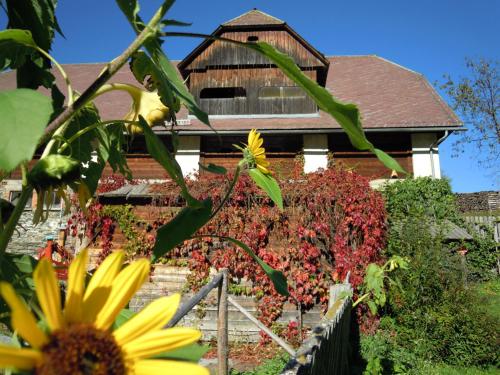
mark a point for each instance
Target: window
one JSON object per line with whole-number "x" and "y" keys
{"x": 56, "y": 201}
{"x": 275, "y": 92}
{"x": 223, "y": 93}
{"x": 14, "y": 198}
{"x": 252, "y": 38}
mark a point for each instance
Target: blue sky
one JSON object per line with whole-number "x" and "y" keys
{"x": 429, "y": 36}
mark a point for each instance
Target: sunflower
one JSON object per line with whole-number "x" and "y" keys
{"x": 255, "y": 154}
{"x": 79, "y": 338}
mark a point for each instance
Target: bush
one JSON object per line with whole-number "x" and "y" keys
{"x": 436, "y": 316}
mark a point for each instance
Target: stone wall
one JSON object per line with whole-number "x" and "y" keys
{"x": 28, "y": 237}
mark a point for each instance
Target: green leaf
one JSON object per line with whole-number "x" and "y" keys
{"x": 189, "y": 353}
{"x": 170, "y": 22}
{"x": 277, "y": 277}
{"x": 346, "y": 114}
{"x": 15, "y": 46}
{"x": 372, "y": 306}
{"x": 25, "y": 113}
{"x": 181, "y": 227}
{"x": 212, "y": 168}
{"x": 388, "y": 161}
{"x": 82, "y": 148}
{"x": 117, "y": 159}
{"x": 17, "y": 270}
{"x": 6, "y": 209}
{"x": 35, "y": 16}
{"x": 268, "y": 184}
{"x": 160, "y": 153}
{"x": 39, "y": 18}
{"x": 123, "y": 317}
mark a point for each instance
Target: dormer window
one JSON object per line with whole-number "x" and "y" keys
{"x": 223, "y": 93}
{"x": 224, "y": 100}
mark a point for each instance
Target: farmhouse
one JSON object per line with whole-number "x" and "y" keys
{"x": 241, "y": 90}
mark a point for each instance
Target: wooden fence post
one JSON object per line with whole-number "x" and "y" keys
{"x": 222, "y": 334}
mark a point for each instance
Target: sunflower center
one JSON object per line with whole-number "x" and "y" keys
{"x": 81, "y": 349}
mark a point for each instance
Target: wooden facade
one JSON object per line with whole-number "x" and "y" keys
{"x": 227, "y": 79}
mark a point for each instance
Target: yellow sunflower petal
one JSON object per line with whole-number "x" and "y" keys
{"x": 125, "y": 285}
{"x": 251, "y": 137}
{"x": 261, "y": 159}
{"x": 158, "y": 366}
{"x": 152, "y": 318}
{"x": 76, "y": 288}
{"x": 157, "y": 342}
{"x": 49, "y": 297}
{"x": 263, "y": 169}
{"x": 22, "y": 319}
{"x": 257, "y": 142}
{"x": 99, "y": 287}
{"x": 259, "y": 152}
{"x": 22, "y": 359}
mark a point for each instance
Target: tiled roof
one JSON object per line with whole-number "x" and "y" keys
{"x": 388, "y": 95}
{"x": 254, "y": 17}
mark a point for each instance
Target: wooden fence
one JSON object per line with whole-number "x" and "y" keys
{"x": 220, "y": 281}
{"x": 326, "y": 351}
{"x": 492, "y": 222}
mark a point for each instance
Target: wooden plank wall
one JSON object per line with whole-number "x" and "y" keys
{"x": 221, "y": 53}
{"x": 251, "y": 79}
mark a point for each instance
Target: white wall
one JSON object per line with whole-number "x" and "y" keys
{"x": 315, "y": 152}
{"x": 188, "y": 154}
{"x": 422, "y": 165}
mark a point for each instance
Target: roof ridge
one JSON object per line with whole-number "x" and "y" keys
{"x": 254, "y": 10}
{"x": 396, "y": 64}
{"x": 441, "y": 101}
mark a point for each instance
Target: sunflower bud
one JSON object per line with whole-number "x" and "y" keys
{"x": 148, "y": 105}
{"x": 54, "y": 171}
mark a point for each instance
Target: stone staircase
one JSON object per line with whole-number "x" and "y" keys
{"x": 167, "y": 280}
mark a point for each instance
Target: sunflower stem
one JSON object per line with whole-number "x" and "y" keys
{"x": 9, "y": 228}
{"x": 229, "y": 191}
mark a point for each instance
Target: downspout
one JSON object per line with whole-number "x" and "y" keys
{"x": 431, "y": 151}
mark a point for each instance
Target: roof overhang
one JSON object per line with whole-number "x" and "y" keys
{"x": 437, "y": 129}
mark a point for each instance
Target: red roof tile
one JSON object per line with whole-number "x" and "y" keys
{"x": 388, "y": 95}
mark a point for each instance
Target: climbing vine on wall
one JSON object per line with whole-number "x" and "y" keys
{"x": 333, "y": 223}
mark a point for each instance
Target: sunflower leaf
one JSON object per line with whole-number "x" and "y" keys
{"x": 268, "y": 184}
{"x": 190, "y": 353}
{"x": 346, "y": 114}
{"x": 277, "y": 277}
{"x": 25, "y": 113}
{"x": 181, "y": 227}
{"x": 212, "y": 168}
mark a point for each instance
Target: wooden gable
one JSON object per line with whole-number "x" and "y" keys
{"x": 227, "y": 79}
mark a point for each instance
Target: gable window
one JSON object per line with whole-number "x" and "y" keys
{"x": 281, "y": 92}
{"x": 14, "y": 198}
{"x": 223, "y": 93}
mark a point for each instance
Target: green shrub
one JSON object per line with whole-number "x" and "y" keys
{"x": 422, "y": 196}
{"x": 482, "y": 255}
{"x": 435, "y": 315}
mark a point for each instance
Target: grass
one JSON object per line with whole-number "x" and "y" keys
{"x": 491, "y": 293}
{"x": 270, "y": 367}
{"x": 430, "y": 368}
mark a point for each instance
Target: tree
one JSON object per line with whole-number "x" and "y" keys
{"x": 476, "y": 98}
